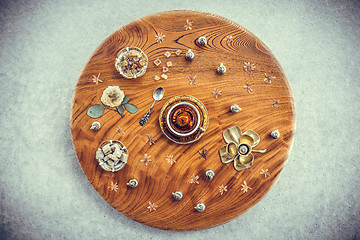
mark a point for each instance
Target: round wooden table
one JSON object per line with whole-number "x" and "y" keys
{"x": 253, "y": 80}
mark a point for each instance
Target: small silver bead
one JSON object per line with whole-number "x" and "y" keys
{"x": 275, "y": 134}
{"x": 133, "y": 183}
{"x": 177, "y": 195}
{"x": 200, "y": 207}
{"x": 202, "y": 40}
{"x": 95, "y": 126}
{"x": 189, "y": 55}
{"x": 221, "y": 69}
{"x": 235, "y": 108}
{"x": 243, "y": 149}
{"x": 210, "y": 174}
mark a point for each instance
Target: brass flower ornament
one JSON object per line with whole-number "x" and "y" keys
{"x": 239, "y": 147}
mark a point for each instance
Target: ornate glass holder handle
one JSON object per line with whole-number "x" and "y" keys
{"x": 239, "y": 147}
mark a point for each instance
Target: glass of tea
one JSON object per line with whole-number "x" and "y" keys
{"x": 183, "y": 119}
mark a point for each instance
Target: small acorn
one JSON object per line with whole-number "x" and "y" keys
{"x": 177, "y": 195}
{"x": 189, "y": 55}
{"x": 275, "y": 134}
{"x": 210, "y": 174}
{"x": 95, "y": 126}
{"x": 133, "y": 183}
{"x": 202, "y": 40}
{"x": 221, "y": 69}
{"x": 200, "y": 207}
{"x": 235, "y": 108}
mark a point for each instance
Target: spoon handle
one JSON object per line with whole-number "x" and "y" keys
{"x": 146, "y": 116}
{"x": 144, "y": 119}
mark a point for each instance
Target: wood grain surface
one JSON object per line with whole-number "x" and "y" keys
{"x": 159, "y": 178}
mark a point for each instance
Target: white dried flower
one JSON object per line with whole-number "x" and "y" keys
{"x": 112, "y": 96}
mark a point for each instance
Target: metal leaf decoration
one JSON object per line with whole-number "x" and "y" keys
{"x": 95, "y": 111}
{"x": 131, "y": 108}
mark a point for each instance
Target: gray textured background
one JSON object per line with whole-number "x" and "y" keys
{"x": 44, "y": 46}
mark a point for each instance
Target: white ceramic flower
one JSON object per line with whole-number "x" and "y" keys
{"x": 112, "y": 96}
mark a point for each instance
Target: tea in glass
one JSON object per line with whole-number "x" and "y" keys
{"x": 183, "y": 118}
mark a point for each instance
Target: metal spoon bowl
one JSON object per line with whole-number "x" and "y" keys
{"x": 158, "y": 94}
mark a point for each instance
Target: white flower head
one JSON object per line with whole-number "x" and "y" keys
{"x": 112, "y": 96}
